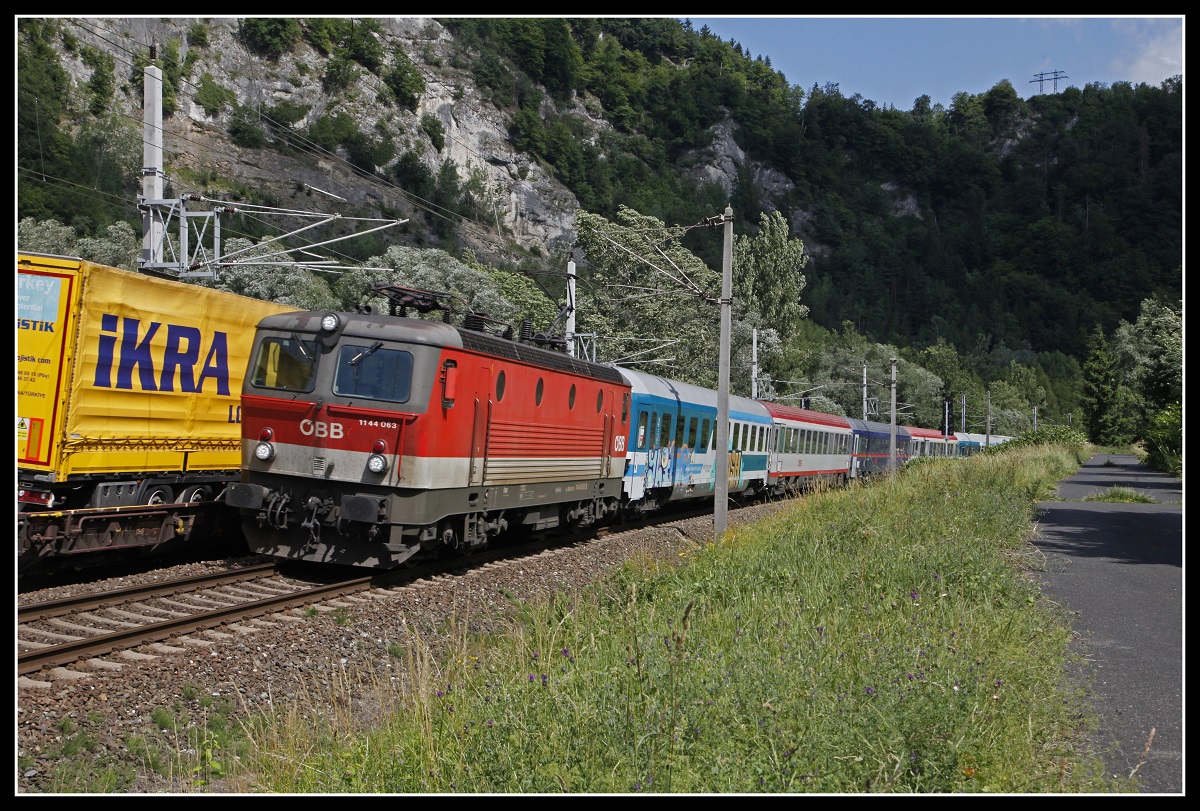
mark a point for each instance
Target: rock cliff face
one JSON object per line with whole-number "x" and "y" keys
{"x": 528, "y": 208}
{"x": 530, "y": 212}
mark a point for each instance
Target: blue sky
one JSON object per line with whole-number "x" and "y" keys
{"x": 893, "y": 60}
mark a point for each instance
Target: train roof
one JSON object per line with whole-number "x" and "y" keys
{"x": 644, "y": 383}
{"x": 981, "y": 439}
{"x": 877, "y": 427}
{"x": 929, "y": 433}
{"x": 805, "y": 415}
{"x": 383, "y": 327}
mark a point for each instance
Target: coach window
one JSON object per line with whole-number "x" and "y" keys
{"x": 664, "y": 435}
{"x": 691, "y": 434}
{"x": 737, "y": 434}
{"x": 500, "y": 386}
{"x": 571, "y": 398}
{"x": 641, "y": 436}
{"x": 762, "y": 437}
{"x": 537, "y": 397}
{"x": 705, "y": 428}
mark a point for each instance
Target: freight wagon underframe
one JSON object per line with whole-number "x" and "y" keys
{"x": 73, "y": 537}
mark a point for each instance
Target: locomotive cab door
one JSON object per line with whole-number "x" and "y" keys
{"x": 479, "y": 435}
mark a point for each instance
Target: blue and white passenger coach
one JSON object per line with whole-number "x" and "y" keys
{"x": 671, "y": 453}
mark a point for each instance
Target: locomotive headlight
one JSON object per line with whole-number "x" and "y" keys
{"x": 329, "y": 322}
{"x": 377, "y": 462}
{"x": 264, "y": 451}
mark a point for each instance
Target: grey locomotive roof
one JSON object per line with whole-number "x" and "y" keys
{"x": 382, "y": 327}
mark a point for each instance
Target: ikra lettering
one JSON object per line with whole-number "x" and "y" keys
{"x": 123, "y": 344}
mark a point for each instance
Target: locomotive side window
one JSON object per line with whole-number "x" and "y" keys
{"x": 500, "y": 386}
{"x": 537, "y": 398}
{"x": 285, "y": 363}
{"x": 599, "y": 401}
{"x": 373, "y": 373}
{"x": 625, "y": 398}
{"x": 571, "y": 398}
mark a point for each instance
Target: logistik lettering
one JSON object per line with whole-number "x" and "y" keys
{"x": 123, "y": 342}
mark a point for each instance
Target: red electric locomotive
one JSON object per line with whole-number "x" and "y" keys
{"x": 372, "y": 439}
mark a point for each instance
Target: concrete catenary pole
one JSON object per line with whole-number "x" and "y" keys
{"x": 721, "y": 470}
{"x": 152, "y": 171}
{"x": 754, "y": 364}
{"x": 892, "y": 442}
{"x": 864, "y": 391}
{"x": 570, "y": 328}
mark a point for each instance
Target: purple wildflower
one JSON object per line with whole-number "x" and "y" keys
{"x": 914, "y": 595}
{"x": 870, "y": 691}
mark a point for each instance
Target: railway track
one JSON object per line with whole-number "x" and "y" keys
{"x": 62, "y": 632}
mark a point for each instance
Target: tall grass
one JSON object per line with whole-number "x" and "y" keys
{"x": 883, "y": 638}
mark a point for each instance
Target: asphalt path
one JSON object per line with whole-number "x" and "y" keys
{"x": 1119, "y": 569}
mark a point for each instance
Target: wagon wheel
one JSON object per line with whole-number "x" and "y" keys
{"x": 195, "y": 494}
{"x": 158, "y": 494}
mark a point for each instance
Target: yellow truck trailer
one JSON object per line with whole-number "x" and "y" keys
{"x": 128, "y": 385}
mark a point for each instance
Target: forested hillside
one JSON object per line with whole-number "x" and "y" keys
{"x": 999, "y": 247}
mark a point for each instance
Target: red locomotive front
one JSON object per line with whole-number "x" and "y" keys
{"x": 370, "y": 438}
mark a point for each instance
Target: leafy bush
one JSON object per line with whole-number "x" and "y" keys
{"x": 1164, "y": 441}
{"x": 244, "y": 129}
{"x": 272, "y": 37}
{"x": 1047, "y": 435}
{"x": 211, "y": 96}
{"x": 332, "y": 130}
{"x": 404, "y": 81}
{"x": 431, "y": 125}
{"x": 198, "y": 35}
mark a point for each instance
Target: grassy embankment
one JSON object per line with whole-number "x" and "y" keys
{"x": 884, "y": 638}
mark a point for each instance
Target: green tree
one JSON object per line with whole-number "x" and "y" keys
{"x": 767, "y": 273}
{"x": 1109, "y": 406}
{"x": 1150, "y": 352}
{"x": 647, "y": 298}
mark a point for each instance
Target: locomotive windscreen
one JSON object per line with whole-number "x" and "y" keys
{"x": 373, "y": 373}
{"x": 285, "y": 363}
